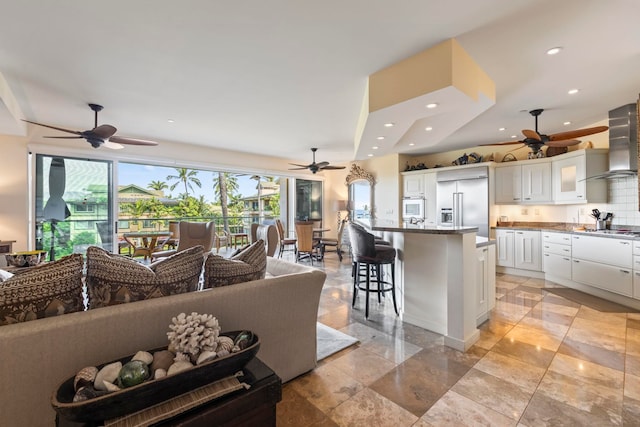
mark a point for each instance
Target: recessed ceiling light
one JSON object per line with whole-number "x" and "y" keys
{"x": 566, "y": 123}
{"x": 370, "y": 155}
{"x": 573, "y": 91}
{"x": 389, "y": 125}
{"x": 554, "y": 50}
{"x": 501, "y": 129}
{"x": 375, "y": 147}
{"x": 412, "y": 144}
{"x": 380, "y": 138}
{"x": 432, "y": 105}
{"x": 170, "y": 121}
{"x": 514, "y": 136}
{"x": 428, "y": 128}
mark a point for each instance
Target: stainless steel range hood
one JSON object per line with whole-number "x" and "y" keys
{"x": 623, "y": 143}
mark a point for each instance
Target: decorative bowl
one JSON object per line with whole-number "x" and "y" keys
{"x": 150, "y": 392}
{"x": 26, "y": 258}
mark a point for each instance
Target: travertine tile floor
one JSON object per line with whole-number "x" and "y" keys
{"x": 541, "y": 360}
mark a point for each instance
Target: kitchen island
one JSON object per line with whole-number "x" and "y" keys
{"x": 435, "y": 278}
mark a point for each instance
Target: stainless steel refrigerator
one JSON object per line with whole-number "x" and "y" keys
{"x": 462, "y": 198}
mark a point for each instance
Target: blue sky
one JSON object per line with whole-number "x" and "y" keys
{"x": 142, "y": 175}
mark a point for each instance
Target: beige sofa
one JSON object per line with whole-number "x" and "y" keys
{"x": 36, "y": 356}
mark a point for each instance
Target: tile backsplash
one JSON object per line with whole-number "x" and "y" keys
{"x": 622, "y": 201}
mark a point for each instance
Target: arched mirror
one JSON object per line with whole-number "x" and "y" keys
{"x": 361, "y": 203}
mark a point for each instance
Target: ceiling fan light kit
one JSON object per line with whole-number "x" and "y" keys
{"x": 103, "y": 135}
{"x": 315, "y": 167}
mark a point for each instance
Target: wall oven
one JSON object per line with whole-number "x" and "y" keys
{"x": 413, "y": 208}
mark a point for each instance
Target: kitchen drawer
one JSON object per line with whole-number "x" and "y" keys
{"x": 556, "y": 248}
{"x": 560, "y": 238}
{"x": 636, "y": 247}
{"x": 636, "y": 262}
{"x": 616, "y": 252}
{"x": 557, "y": 265}
{"x": 607, "y": 277}
{"x": 636, "y": 284}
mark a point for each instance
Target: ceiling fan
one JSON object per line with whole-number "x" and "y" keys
{"x": 536, "y": 140}
{"x": 315, "y": 167}
{"x": 103, "y": 135}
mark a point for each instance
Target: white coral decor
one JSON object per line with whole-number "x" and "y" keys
{"x": 193, "y": 334}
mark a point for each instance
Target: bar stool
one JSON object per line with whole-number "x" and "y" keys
{"x": 368, "y": 259}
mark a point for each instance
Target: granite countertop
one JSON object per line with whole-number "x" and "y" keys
{"x": 629, "y": 233}
{"x": 419, "y": 228}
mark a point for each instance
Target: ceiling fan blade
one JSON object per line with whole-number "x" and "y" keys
{"x": 53, "y": 127}
{"x": 65, "y": 137}
{"x": 322, "y": 164}
{"x": 297, "y": 169}
{"x": 113, "y": 145}
{"x": 563, "y": 143}
{"x": 302, "y": 166}
{"x": 531, "y": 134}
{"x": 131, "y": 141}
{"x": 577, "y": 133}
{"x": 332, "y": 167}
{"x": 104, "y": 131}
{"x": 502, "y": 143}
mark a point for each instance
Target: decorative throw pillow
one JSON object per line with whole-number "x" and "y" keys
{"x": 116, "y": 279}
{"x": 48, "y": 290}
{"x": 250, "y": 264}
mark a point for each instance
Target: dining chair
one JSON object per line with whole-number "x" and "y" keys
{"x": 306, "y": 245}
{"x": 284, "y": 240}
{"x": 222, "y": 239}
{"x": 337, "y": 242}
{"x": 191, "y": 234}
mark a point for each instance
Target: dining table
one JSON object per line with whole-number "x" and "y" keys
{"x": 146, "y": 242}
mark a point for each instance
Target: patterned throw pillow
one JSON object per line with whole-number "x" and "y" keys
{"x": 5, "y": 275}
{"x": 116, "y": 279}
{"x": 48, "y": 290}
{"x": 250, "y": 264}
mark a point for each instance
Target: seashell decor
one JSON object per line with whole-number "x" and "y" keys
{"x": 193, "y": 339}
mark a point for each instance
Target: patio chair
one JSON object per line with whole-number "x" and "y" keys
{"x": 191, "y": 234}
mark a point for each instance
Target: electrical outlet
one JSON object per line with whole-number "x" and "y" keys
{"x": 524, "y": 211}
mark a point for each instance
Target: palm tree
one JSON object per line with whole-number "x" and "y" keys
{"x": 224, "y": 185}
{"x": 157, "y": 185}
{"x": 187, "y": 177}
{"x": 259, "y": 187}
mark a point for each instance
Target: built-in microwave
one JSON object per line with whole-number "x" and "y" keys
{"x": 413, "y": 208}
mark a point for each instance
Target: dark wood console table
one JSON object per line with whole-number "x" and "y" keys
{"x": 245, "y": 408}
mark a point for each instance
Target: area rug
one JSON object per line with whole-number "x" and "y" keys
{"x": 591, "y": 301}
{"x": 331, "y": 341}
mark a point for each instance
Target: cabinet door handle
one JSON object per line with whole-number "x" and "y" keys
{"x": 637, "y": 273}
{"x": 624, "y": 243}
{"x": 527, "y": 198}
{"x": 576, "y": 261}
{"x": 546, "y": 254}
{"x": 576, "y": 237}
{"x": 565, "y": 238}
{"x": 579, "y": 196}
{"x": 516, "y": 198}
{"x": 566, "y": 250}
{"x": 546, "y": 247}
{"x": 566, "y": 259}
{"x": 624, "y": 271}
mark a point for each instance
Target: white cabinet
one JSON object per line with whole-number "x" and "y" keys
{"x": 486, "y": 282}
{"x": 569, "y": 174}
{"x": 508, "y": 184}
{"x": 556, "y": 254}
{"x": 430, "y": 190}
{"x": 636, "y": 269}
{"x": 605, "y": 263}
{"x": 413, "y": 185}
{"x": 527, "y": 250}
{"x": 504, "y": 248}
{"x": 521, "y": 184}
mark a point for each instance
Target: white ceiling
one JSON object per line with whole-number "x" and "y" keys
{"x": 283, "y": 76}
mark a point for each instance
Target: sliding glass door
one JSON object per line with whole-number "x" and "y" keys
{"x": 73, "y": 205}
